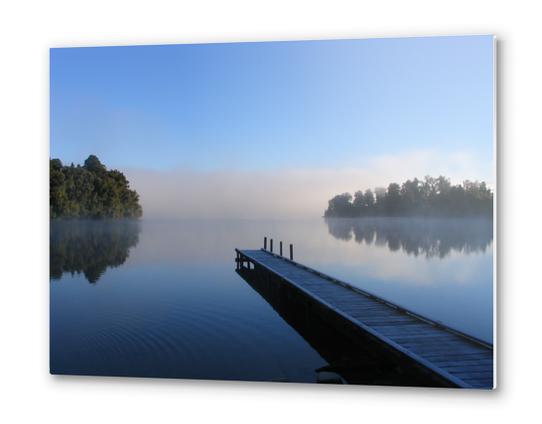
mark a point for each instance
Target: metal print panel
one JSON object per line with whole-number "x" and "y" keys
{"x": 305, "y": 211}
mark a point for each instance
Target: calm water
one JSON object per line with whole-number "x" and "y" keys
{"x": 157, "y": 298}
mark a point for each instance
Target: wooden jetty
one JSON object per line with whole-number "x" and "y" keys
{"x": 446, "y": 356}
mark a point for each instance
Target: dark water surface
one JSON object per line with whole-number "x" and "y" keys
{"x": 162, "y": 298}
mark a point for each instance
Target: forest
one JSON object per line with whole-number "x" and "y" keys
{"x": 90, "y": 191}
{"x": 427, "y": 197}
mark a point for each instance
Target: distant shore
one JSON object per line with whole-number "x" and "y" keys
{"x": 432, "y": 197}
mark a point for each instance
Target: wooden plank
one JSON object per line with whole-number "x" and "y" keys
{"x": 414, "y": 328}
{"x": 362, "y": 313}
{"x": 459, "y": 367}
{"x": 452, "y": 357}
{"x": 375, "y": 322}
{"x": 427, "y": 351}
{"x": 423, "y": 336}
{"x": 447, "y": 364}
{"x": 407, "y": 323}
{"x": 472, "y": 374}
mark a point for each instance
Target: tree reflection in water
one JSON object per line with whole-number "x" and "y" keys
{"x": 431, "y": 237}
{"x": 90, "y": 246}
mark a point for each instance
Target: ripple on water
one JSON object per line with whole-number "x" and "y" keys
{"x": 205, "y": 340}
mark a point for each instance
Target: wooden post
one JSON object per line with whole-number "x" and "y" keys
{"x": 265, "y": 243}
{"x": 271, "y": 245}
{"x": 291, "y": 252}
{"x": 280, "y": 248}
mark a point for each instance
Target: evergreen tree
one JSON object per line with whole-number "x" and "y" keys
{"x": 90, "y": 191}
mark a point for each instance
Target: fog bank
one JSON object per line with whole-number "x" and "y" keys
{"x": 287, "y": 193}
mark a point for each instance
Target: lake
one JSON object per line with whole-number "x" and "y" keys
{"x": 162, "y": 298}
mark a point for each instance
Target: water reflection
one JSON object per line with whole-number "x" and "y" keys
{"x": 174, "y": 308}
{"x": 431, "y": 237}
{"x": 356, "y": 360}
{"x": 90, "y": 246}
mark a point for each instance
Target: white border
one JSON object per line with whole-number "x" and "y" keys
{"x": 28, "y": 29}
{"x": 495, "y": 220}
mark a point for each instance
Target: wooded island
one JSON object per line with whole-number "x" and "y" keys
{"x": 430, "y": 197}
{"x": 90, "y": 191}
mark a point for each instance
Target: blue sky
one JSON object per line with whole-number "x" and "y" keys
{"x": 272, "y": 106}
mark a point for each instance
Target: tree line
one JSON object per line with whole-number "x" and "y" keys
{"x": 90, "y": 191}
{"x": 427, "y": 197}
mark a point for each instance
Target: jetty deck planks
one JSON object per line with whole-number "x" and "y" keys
{"x": 459, "y": 359}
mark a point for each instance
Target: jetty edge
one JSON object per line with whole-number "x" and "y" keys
{"x": 449, "y": 357}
